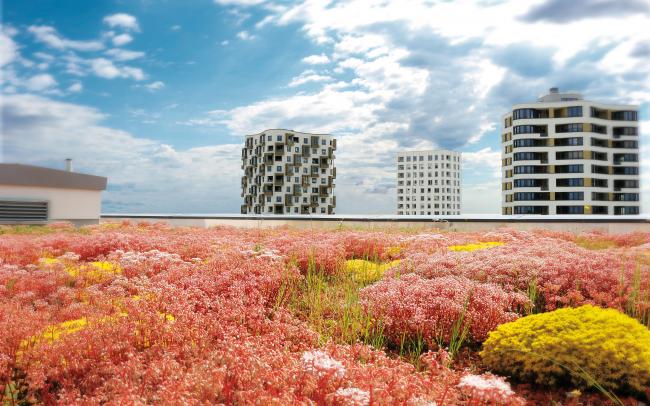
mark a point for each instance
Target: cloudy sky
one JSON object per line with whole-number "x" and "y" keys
{"x": 157, "y": 94}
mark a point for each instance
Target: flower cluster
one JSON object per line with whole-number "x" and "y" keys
{"x": 416, "y": 308}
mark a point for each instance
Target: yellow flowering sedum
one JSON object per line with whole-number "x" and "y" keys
{"x": 476, "y": 246}
{"x": 600, "y": 344}
{"x": 366, "y": 271}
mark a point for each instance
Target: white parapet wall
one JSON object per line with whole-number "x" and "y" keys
{"x": 574, "y": 224}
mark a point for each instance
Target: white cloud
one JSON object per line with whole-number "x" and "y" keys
{"x": 175, "y": 27}
{"x": 122, "y": 20}
{"x": 144, "y": 175}
{"x": 121, "y": 39}
{"x": 104, "y": 68}
{"x": 307, "y": 78}
{"x": 124, "y": 54}
{"x": 49, "y": 36}
{"x": 225, "y": 42}
{"x": 245, "y": 36}
{"x": 316, "y": 59}
{"x": 8, "y": 49}
{"x": 76, "y": 87}
{"x": 239, "y": 2}
{"x": 157, "y": 85}
{"x": 40, "y": 82}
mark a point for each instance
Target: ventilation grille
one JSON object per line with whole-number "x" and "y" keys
{"x": 15, "y": 211}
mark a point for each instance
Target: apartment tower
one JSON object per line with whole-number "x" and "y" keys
{"x": 288, "y": 172}
{"x": 428, "y": 183}
{"x": 566, "y": 155}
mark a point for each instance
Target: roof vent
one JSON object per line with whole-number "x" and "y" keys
{"x": 554, "y": 90}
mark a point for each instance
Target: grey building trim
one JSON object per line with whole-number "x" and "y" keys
{"x": 28, "y": 175}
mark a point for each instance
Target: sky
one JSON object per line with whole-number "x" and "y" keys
{"x": 158, "y": 94}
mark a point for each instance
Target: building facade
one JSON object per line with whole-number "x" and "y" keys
{"x": 428, "y": 183}
{"x": 288, "y": 172}
{"x": 36, "y": 195}
{"x": 566, "y": 155}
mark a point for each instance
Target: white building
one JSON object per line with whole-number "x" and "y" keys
{"x": 428, "y": 182}
{"x": 288, "y": 172}
{"x": 36, "y": 195}
{"x": 566, "y": 155}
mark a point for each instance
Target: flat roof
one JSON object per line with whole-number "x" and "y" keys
{"x": 29, "y": 175}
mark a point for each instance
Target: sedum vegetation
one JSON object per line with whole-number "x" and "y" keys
{"x": 143, "y": 313}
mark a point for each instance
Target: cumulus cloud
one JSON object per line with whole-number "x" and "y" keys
{"x": 560, "y": 11}
{"x": 245, "y": 36}
{"x": 122, "y": 20}
{"x": 104, "y": 68}
{"x": 8, "y": 49}
{"x": 316, "y": 59}
{"x": 157, "y": 85}
{"x": 50, "y": 37}
{"x": 143, "y": 175}
{"x": 119, "y": 54}
{"x": 121, "y": 39}
{"x": 76, "y": 87}
{"x": 40, "y": 82}
{"x": 307, "y": 77}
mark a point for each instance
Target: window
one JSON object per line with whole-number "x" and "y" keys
{"x": 568, "y": 128}
{"x": 270, "y": 138}
{"x": 618, "y": 131}
{"x": 323, "y": 142}
{"x": 570, "y": 182}
{"x": 569, "y": 169}
{"x": 569, "y": 196}
{"x": 569, "y": 155}
{"x": 529, "y": 129}
{"x": 574, "y": 111}
{"x": 529, "y": 142}
{"x": 526, "y": 156}
{"x": 530, "y": 169}
{"x": 570, "y": 210}
{"x": 626, "y": 197}
{"x": 564, "y": 142}
{"x": 619, "y": 158}
{"x": 626, "y": 170}
{"x": 400, "y": 159}
{"x": 599, "y": 182}
{"x": 527, "y": 183}
{"x": 531, "y": 196}
{"x": 278, "y": 138}
{"x": 531, "y": 210}
{"x": 624, "y": 115}
{"x": 520, "y": 114}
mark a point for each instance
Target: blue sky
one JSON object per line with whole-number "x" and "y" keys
{"x": 156, "y": 95}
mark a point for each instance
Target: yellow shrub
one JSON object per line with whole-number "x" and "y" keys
{"x": 474, "y": 247}
{"x": 366, "y": 271}
{"x": 603, "y": 344}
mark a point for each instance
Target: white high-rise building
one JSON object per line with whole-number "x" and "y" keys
{"x": 288, "y": 172}
{"x": 428, "y": 183}
{"x": 566, "y": 155}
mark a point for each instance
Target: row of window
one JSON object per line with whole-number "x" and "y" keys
{"x": 429, "y": 182}
{"x": 429, "y": 166}
{"x": 428, "y": 213}
{"x": 402, "y": 175}
{"x": 618, "y": 210}
{"x": 420, "y": 158}
{"x": 429, "y": 206}
{"x": 428, "y": 190}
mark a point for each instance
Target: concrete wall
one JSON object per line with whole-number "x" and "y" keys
{"x": 76, "y": 205}
{"x": 458, "y": 223}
